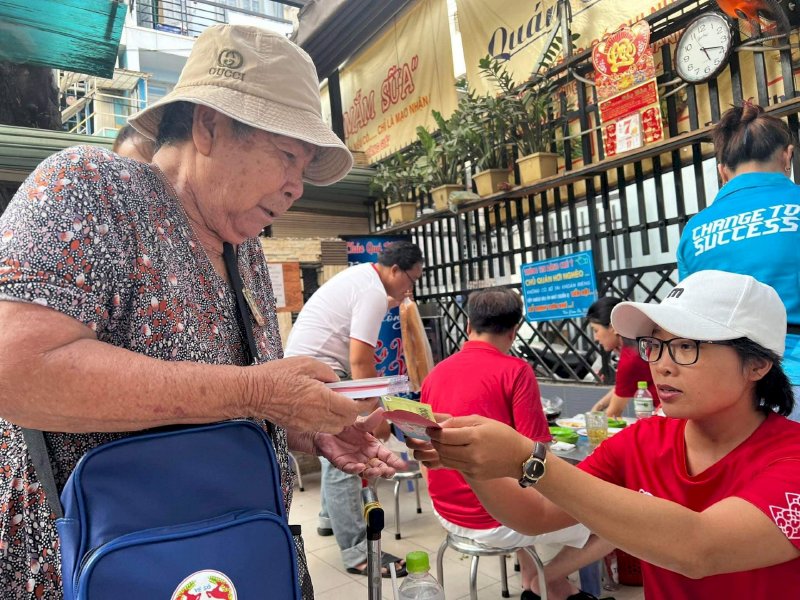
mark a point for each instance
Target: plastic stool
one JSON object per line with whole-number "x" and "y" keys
{"x": 475, "y": 550}
{"x": 411, "y": 476}
{"x": 629, "y": 568}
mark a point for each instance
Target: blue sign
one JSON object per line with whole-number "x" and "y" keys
{"x": 389, "y": 359}
{"x": 559, "y": 288}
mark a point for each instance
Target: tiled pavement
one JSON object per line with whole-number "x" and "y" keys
{"x": 420, "y": 532}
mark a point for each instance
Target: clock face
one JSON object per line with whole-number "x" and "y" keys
{"x": 704, "y": 47}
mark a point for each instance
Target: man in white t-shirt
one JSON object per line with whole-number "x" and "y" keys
{"x": 339, "y": 325}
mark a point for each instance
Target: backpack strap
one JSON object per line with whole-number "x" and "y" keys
{"x": 37, "y": 449}
{"x": 231, "y": 265}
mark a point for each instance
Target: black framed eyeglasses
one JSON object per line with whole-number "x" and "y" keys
{"x": 683, "y": 351}
{"x": 411, "y": 279}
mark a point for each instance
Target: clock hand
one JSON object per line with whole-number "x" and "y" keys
{"x": 706, "y": 53}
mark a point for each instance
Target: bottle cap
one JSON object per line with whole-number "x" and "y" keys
{"x": 417, "y": 562}
{"x": 642, "y": 385}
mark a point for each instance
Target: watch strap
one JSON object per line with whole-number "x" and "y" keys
{"x": 538, "y": 455}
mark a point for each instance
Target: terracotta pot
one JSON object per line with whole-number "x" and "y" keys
{"x": 402, "y": 212}
{"x": 441, "y": 195}
{"x": 537, "y": 166}
{"x": 490, "y": 181}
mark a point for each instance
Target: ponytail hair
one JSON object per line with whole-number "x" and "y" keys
{"x": 746, "y": 133}
{"x": 773, "y": 391}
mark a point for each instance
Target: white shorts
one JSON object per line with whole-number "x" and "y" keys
{"x": 504, "y": 537}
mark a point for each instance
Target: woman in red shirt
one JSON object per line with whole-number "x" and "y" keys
{"x": 707, "y": 497}
{"x": 631, "y": 369}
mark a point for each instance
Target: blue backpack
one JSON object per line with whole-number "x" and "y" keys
{"x": 175, "y": 514}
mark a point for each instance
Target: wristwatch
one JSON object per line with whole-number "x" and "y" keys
{"x": 533, "y": 469}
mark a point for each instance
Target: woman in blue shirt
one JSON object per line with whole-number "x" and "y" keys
{"x": 752, "y": 226}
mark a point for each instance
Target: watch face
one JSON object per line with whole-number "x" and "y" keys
{"x": 534, "y": 469}
{"x": 704, "y": 47}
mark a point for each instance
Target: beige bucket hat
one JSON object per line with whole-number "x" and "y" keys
{"x": 262, "y": 79}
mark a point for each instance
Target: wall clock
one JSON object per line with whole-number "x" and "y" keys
{"x": 704, "y": 48}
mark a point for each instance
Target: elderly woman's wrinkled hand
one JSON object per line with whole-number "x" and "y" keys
{"x": 291, "y": 393}
{"x": 355, "y": 450}
{"x": 479, "y": 447}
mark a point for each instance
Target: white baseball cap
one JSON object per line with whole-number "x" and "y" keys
{"x": 259, "y": 78}
{"x": 712, "y": 306}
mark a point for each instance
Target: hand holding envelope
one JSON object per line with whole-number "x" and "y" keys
{"x": 411, "y": 417}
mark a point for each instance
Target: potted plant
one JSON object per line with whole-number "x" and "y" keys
{"x": 531, "y": 108}
{"x": 488, "y": 120}
{"x": 396, "y": 178}
{"x": 441, "y": 157}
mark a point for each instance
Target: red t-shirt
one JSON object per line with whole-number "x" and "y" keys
{"x": 480, "y": 380}
{"x": 649, "y": 456}
{"x": 630, "y": 371}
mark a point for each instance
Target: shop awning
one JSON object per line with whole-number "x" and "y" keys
{"x": 74, "y": 35}
{"x": 22, "y": 148}
{"x": 331, "y": 31}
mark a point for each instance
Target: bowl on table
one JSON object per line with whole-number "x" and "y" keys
{"x": 564, "y": 434}
{"x": 552, "y": 409}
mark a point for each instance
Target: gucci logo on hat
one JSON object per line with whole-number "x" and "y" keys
{"x": 230, "y": 59}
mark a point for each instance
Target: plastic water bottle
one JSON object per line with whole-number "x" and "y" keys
{"x": 642, "y": 401}
{"x": 419, "y": 584}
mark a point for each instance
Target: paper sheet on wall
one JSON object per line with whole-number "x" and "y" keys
{"x": 276, "y": 276}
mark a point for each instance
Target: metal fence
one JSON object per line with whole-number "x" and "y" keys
{"x": 192, "y": 17}
{"x": 629, "y": 210}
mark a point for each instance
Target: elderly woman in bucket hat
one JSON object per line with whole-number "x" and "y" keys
{"x": 115, "y": 299}
{"x": 709, "y": 496}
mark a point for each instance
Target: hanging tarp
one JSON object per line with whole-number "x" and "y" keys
{"x": 392, "y": 86}
{"x": 516, "y": 30}
{"x": 74, "y": 35}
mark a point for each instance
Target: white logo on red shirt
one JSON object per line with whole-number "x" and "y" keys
{"x": 788, "y": 519}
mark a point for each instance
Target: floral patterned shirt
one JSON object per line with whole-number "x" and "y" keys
{"x": 102, "y": 239}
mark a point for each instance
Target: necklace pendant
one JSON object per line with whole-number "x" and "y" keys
{"x": 251, "y": 303}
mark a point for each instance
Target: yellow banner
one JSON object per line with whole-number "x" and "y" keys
{"x": 392, "y": 86}
{"x": 518, "y": 29}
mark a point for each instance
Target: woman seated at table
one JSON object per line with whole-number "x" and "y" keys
{"x": 631, "y": 369}
{"x": 709, "y": 497}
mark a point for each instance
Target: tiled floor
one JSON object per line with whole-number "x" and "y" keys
{"x": 420, "y": 532}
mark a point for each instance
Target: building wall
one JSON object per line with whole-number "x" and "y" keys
{"x": 311, "y": 253}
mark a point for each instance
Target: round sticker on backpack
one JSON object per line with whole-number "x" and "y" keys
{"x": 205, "y": 585}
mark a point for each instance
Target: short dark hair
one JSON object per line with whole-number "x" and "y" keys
{"x": 773, "y": 391}
{"x": 402, "y": 253}
{"x": 494, "y": 310}
{"x": 600, "y": 310}
{"x": 746, "y": 133}
{"x": 176, "y": 124}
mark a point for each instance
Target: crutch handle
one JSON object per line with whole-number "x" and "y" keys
{"x": 373, "y": 513}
